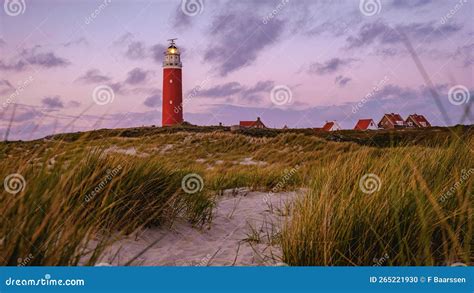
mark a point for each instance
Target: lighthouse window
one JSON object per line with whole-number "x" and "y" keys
{"x": 171, "y": 81}
{"x": 171, "y": 102}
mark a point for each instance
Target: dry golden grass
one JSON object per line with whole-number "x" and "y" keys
{"x": 88, "y": 200}
{"x": 407, "y": 222}
{"x": 57, "y": 217}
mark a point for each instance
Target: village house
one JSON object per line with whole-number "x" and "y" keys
{"x": 366, "y": 124}
{"x": 329, "y": 126}
{"x": 392, "y": 121}
{"x": 418, "y": 121}
{"x": 252, "y": 124}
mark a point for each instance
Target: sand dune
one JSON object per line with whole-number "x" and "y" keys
{"x": 243, "y": 233}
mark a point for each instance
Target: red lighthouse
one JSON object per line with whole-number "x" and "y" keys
{"x": 172, "y": 87}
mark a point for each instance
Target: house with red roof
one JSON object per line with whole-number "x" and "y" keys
{"x": 330, "y": 126}
{"x": 366, "y": 124}
{"x": 392, "y": 121}
{"x": 252, "y": 124}
{"x": 417, "y": 121}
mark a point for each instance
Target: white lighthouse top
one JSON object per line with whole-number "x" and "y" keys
{"x": 172, "y": 56}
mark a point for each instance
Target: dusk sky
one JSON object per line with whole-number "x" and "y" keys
{"x": 290, "y": 62}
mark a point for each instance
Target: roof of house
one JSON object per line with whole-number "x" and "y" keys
{"x": 328, "y": 126}
{"x": 418, "y": 119}
{"x": 394, "y": 118}
{"x": 363, "y": 124}
{"x": 248, "y": 123}
{"x": 251, "y": 123}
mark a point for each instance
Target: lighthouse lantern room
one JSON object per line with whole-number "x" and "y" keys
{"x": 172, "y": 86}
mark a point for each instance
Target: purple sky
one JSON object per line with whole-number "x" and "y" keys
{"x": 290, "y": 62}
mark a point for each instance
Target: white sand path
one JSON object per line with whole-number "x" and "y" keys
{"x": 224, "y": 243}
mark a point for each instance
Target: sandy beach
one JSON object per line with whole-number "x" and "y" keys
{"x": 243, "y": 232}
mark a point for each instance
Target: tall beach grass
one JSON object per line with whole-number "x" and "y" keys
{"x": 88, "y": 200}
{"x": 417, "y": 209}
{"x": 80, "y": 195}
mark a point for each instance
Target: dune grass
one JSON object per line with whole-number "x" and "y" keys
{"x": 88, "y": 201}
{"x": 85, "y": 191}
{"x": 409, "y": 219}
